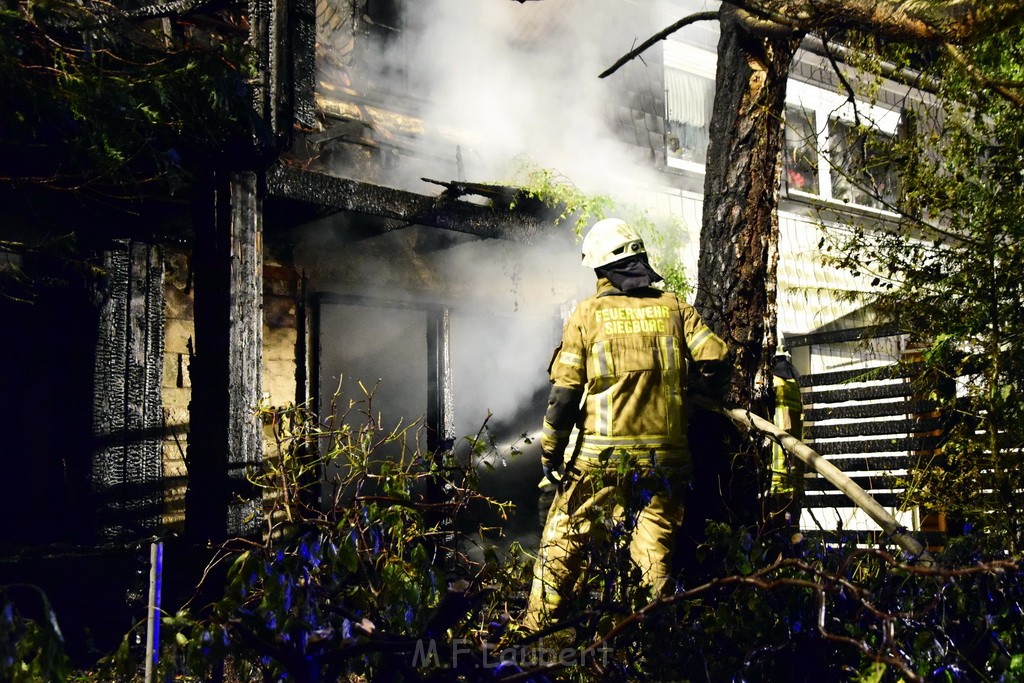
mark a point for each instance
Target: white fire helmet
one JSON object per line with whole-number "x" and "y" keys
{"x": 608, "y": 241}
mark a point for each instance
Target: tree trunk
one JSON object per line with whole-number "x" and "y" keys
{"x": 736, "y": 288}
{"x": 736, "y": 276}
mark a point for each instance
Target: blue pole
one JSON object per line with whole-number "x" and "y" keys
{"x": 156, "y": 562}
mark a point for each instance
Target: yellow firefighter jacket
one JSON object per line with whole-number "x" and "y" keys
{"x": 628, "y": 354}
{"x": 787, "y": 472}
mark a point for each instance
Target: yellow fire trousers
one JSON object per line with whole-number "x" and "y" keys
{"x": 595, "y": 505}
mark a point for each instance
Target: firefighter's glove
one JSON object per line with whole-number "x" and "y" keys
{"x": 710, "y": 378}
{"x": 551, "y": 461}
{"x": 553, "y": 476}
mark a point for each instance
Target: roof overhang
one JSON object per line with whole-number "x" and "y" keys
{"x": 521, "y": 222}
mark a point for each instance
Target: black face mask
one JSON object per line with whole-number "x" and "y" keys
{"x": 632, "y": 272}
{"x": 785, "y": 369}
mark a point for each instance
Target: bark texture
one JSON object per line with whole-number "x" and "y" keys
{"x": 958, "y": 22}
{"x": 739, "y": 236}
{"x": 736, "y": 283}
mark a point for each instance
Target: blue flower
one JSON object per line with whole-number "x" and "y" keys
{"x": 376, "y": 541}
{"x": 506, "y": 667}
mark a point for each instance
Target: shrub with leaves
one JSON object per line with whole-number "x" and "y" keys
{"x": 368, "y": 570}
{"x": 947, "y": 273}
{"x": 31, "y": 649}
{"x": 99, "y": 95}
{"x": 360, "y": 569}
{"x": 558, "y": 192}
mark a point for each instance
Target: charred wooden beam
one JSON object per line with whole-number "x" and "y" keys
{"x": 440, "y": 420}
{"x": 226, "y": 367}
{"x": 872, "y": 463}
{"x": 838, "y": 500}
{"x": 868, "y": 393}
{"x": 843, "y": 335}
{"x": 245, "y": 372}
{"x": 865, "y": 428}
{"x": 443, "y": 211}
{"x": 870, "y": 410}
{"x": 440, "y": 411}
{"x": 302, "y": 68}
{"x": 893, "y": 371}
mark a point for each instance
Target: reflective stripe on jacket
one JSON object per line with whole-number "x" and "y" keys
{"x": 630, "y": 353}
{"x": 787, "y": 474}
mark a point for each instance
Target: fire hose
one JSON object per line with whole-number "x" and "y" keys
{"x": 861, "y": 498}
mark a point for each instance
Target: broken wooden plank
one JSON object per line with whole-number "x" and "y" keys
{"x": 442, "y": 211}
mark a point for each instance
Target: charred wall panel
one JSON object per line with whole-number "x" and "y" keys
{"x": 127, "y": 406}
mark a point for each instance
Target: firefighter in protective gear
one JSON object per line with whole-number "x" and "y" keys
{"x": 787, "y": 472}
{"x": 620, "y": 376}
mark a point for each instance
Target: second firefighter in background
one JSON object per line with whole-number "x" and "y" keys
{"x": 628, "y": 357}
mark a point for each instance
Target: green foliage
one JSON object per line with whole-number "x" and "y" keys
{"x": 31, "y": 650}
{"x": 365, "y": 580}
{"x": 664, "y": 239}
{"x": 821, "y": 612}
{"x": 96, "y": 96}
{"x": 949, "y": 275}
{"x": 355, "y": 576}
{"x": 664, "y": 244}
{"x": 559, "y": 193}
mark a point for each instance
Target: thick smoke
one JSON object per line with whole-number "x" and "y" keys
{"x": 499, "y": 81}
{"x": 493, "y": 83}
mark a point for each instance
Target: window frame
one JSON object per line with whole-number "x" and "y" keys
{"x": 829, "y": 105}
{"x": 696, "y": 62}
{"x": 826, "y": 105}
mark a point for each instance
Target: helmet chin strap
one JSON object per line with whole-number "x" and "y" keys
{"x": 632, "y": 272}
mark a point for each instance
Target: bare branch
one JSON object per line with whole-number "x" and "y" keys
{"x": 851, "y": 95}
{"x": 821, "y": 582}
{"x": 659, "y": 36}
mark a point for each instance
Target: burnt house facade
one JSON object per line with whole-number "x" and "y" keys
{"x": 380, "y": 243}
